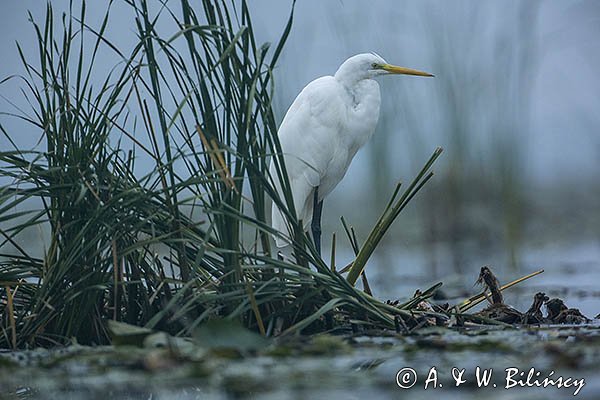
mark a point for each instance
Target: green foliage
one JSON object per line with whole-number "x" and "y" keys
{"x": 149, "y": 190}
{"x": 389, "y": 215}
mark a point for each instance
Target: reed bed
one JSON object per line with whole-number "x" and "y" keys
{"x": 148, "y": 190}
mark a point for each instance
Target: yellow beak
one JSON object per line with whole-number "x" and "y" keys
{"x": 404, "y": 71}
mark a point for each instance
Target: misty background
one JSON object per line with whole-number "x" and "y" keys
{"x": 515, "y": 103}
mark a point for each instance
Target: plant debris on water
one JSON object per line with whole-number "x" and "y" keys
{"x": 149, "y": 187}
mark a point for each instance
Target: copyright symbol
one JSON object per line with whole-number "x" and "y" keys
{"x": 406, "y": 378}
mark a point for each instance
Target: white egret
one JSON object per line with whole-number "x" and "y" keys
{"x": 329, "y": 121}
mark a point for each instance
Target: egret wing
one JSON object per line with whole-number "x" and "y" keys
{"x": 309, "y": 136}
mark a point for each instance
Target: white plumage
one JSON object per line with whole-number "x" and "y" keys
{"x": 327, "y": 123}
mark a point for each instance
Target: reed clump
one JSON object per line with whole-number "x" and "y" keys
{"x": 147, "y": 191}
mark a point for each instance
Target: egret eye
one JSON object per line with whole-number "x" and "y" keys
{"x": 374, "y": 65}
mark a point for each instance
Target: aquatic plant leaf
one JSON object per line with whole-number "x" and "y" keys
{"x": 224, "y": 334}
{"x": 125, "y": 334}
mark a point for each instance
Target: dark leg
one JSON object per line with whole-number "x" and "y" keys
{"x": 316, "y": 220}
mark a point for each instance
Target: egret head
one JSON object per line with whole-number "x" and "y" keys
{"x": 371, "y": 65}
